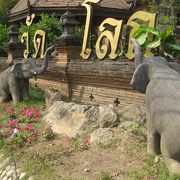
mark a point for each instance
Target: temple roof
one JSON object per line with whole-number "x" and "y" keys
{"x": 22, "y": 6}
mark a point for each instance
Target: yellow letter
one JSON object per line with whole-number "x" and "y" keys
{"x": 101, "y": 51}
{"x": 86, "y": 51}
{"x": 147, "y": 17}
{"x": 39, "y": 43}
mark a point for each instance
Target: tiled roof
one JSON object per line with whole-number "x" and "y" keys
{"x": 22, "y": 5}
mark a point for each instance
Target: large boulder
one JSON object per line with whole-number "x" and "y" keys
{"x": 101, "y": 135}
{"x": 71, "y": 118}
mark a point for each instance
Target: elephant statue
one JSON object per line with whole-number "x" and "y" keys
{"x": 14, "y": 81}
{"x": 160, "y": 80}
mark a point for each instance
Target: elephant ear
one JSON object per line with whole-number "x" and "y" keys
{"x": 17, "y": 70}
{"x": 140, "y": 78}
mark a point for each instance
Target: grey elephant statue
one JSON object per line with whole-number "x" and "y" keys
{"x": 160, "y": 80}
{"x": 14, "y": 81}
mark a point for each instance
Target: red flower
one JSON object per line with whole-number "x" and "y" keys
{"x": 6, "y": 104}
{"x": 35, "y": 132}
{"x": 11, "y": 131}
{"x": 28, "y": 139}
{"x": 19, "y": 128}
{"x": 11, "y": 123}
{"x": 27, "y": 112}
{"x": 10, "y": 111}
{"x": 29, "y": 127}
{"x": 36, "y": 113}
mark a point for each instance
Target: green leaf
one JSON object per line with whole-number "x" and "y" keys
{"x": 166, "y": 33}
{"x": 142, "y": 39}
{"x": 175, "y": 46}
{"x": 154, "y": 44}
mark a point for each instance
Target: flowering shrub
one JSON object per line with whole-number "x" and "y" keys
{"x": 48, "y": 133}
{"x": 22, "y": 125}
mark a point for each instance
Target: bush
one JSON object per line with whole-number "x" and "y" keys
{"x": 4, "y": 38}
{"x": 49, "y": 24}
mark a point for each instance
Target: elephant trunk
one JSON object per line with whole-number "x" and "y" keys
{"x": 45, "y": 62}
{"x": 137, "y": 51}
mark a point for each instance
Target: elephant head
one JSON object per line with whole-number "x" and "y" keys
{"x": 27, "y": 68}
{"x": 145, "y": 69}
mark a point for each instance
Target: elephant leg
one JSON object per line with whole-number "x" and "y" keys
{"x": 16, "y": 96}
{"x": 153, "y": 143}
{"x": 25, "y": 90}
{"x": 153, "y": 138}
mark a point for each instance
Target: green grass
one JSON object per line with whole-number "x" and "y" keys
{"x": 105, "y": 175}
{"x": 111, "y": 143}
{"x": 152, "y": 170}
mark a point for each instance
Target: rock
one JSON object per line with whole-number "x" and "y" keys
{"x": 10, "y": 173}
{"x": 3, "y": 174}
{"x": 108, "y": 116}
{"x": 31, "y": 178}
{"x": 51, "y": 96}
{"x": 133, "y": 112}
{"x": 22, "y": 176}
{"x": 87, "y": 170}
{"x": 157, "y": 159}
{"x": 71, "y": 119}
{"x": 101, "y": 135}
{"x": 4, "y": 178}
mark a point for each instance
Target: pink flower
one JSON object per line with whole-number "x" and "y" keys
{"x": 11, "y": 131}
{"x": 10, "y": 111}
{"x": 11, "y": 123}
{"x": 6, "y": 104}
{"x": 35, "y": 132}
{"x": 27, "y": 139}
{"x": 29, "y": 127}
{"x": 27, "y": 112}
{"x": 19, "y": 128}
{"x": 36, "y": 113}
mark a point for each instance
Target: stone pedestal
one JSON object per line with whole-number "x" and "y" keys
{"x": 15, "y": 48}
{"x": 68, "y": 47}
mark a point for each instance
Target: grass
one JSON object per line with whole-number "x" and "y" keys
{"x": 111, "y": 143}
{"x": 105, "y": 175}
{"x": 152, "y": 170}
{"x": 41, "y": 159}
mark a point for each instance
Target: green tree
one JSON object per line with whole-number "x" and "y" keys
{"x": 49, "y": 24}
{"x": 3, "y": 39}
{"x": 167, "y": 10}
{"x": 5, "y": 7}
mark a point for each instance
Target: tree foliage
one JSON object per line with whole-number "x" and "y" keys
{"x": 49, "y": 24}
{"x": 5, "y": 7}
{"x": 164, "y": 42}
{"x": 167, "y": 11}
{"x": 3, "y": 39}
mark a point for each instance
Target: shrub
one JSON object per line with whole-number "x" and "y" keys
{"x": 49, "y": 24}
{"x": 4, "y": 38}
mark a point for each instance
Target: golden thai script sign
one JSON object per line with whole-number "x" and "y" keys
{"x": 39, "y": 40}
{"x": 110, "y": 30}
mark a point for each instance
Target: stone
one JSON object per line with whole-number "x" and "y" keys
{"x": 10, "y": 173}
{"x": 4, "y": 178}
{"x": 51, "y": 96}
{"x": 31, "y": 178}
{"x": 157, "y": 159}
{"x": 108, "y": 116}
{"x": 8, "y": 168}
{"x": 22, "y": 176}
{"x": 133, "y": 112}
{"x": 101, "y": 135}
{"x": 3, "y": 174}
{"x": 71, "y": 118}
